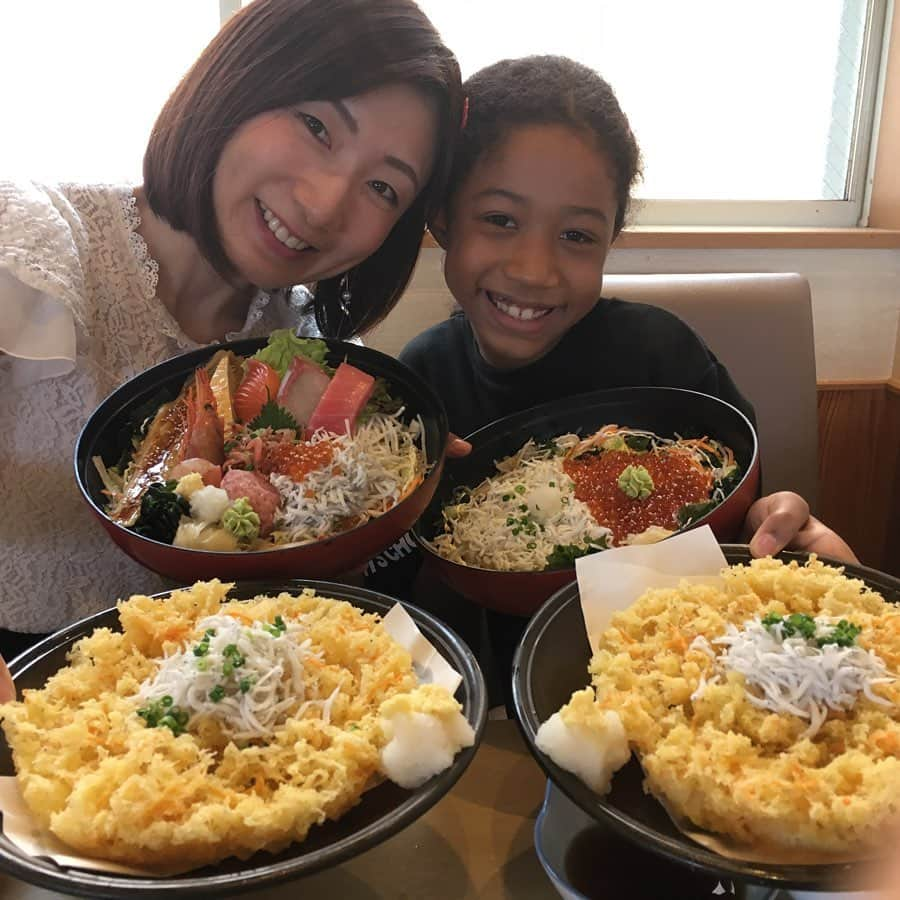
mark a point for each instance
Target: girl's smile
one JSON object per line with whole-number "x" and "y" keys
{"x": 510, "y": 313}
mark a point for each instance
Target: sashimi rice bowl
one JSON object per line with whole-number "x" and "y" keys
{"x": 286, "y": 446}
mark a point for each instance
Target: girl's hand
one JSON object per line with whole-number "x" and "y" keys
{"x": 782, "y": 520}
{"x": 7, "y": 688}
{"x": 457, "y": 447}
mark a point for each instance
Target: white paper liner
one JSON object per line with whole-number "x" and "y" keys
{"x": 611, "y": 581}
{"x": 30, "y": 838}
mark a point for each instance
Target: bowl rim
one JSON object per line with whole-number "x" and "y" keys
{"x": 681, "y": 850}
{"x": 83, "y": 882}
{"x": 602, "y": 394}
{"x": 541, "y": 824}
{"x": 205, "y": 353}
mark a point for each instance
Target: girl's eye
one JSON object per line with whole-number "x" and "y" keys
{"x": 316, "y": 128}
{"x": 383, "y": 189}
{"x": 501, "y": 220}
{"x": 578, "y": 237}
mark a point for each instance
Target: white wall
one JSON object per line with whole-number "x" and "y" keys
{"x": 855, "y": 296}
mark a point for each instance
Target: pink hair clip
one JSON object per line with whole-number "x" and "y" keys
{"x": 465, "y": 114}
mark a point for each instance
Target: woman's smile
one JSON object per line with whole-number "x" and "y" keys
{"x": 279, "y": 230}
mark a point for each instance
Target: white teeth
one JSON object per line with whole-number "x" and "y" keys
{"x": 525, "y": 313}
{"x": 280, "y": 231}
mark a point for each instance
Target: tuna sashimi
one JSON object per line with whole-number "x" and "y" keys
{"x": 343, "y": 401}
{"x": 302, "y": 389}
{"x": 258, "y": 491}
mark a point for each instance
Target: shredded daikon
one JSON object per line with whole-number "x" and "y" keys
{"x": 795, "y": 676}
{"x": 249, "y": 677}
{"x": 514, "y": 520}
{"x": 368, "y": 474}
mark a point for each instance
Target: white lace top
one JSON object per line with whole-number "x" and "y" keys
{"x": 78, "y": 316}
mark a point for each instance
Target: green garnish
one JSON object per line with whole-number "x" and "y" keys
{"x": 563, "y": 556}
{"x": 162, "y": 714}
{"x": 519, "y": 488}
{"x": 245, "y": 684}
{"x": 241, "y": 520}
{"x": 234, "y": 655}
{"x": 273, "y": 416}
{"x": 635, "y": 482}
{"x": 217, "y": 693}
{"x": 639, "y": 442}
{"x": 730, "y": 480}
{"x": 278, "y": 627}
{"x": 799, "y": 623}
{"x": 690, "y": 512}
{"x": 843, "y": 634}
{"x": 614, "y": 442}
{"x": 161, "y": 511}
{"x": 284, "y": 345}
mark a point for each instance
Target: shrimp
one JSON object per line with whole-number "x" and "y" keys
{"x": 205, "y": 437}
{"x": 187, "y": 428}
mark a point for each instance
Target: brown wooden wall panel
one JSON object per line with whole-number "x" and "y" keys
{"x": 859, "y": 469}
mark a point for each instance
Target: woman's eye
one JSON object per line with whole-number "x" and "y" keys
{"x": 383, "y": 189}
{"x": 579, "y": 237}
{"x": 500, "y": 220}
{"x": 317, "y": 129}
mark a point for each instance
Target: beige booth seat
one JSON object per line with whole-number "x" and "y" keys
{"x": 758, "y": 324}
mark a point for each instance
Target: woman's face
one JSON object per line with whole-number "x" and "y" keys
{"x": 306, "y": 193}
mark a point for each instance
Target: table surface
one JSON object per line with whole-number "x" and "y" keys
{"x": 477, "y": 842}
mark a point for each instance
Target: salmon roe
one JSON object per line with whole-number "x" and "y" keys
{"x": 677, "y": 479}
{"x": 296, "y": 460}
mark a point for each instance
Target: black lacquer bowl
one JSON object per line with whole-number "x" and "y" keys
{"x": 102, "y": 436}
{"x": 545, "y": 678}
{"x": 382, "y": 812}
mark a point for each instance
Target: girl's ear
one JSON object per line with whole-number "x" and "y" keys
{"x": 437, "y": 225}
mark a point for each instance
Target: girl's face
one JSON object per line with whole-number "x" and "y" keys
{"x": 527, "y": 239}
{"x": 306, "y": 193}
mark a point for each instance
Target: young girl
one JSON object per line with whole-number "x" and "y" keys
{"x": 540, "y": 188}
{"x": 306, "y": 145}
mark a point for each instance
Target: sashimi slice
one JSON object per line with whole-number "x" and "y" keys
{"x": 209, "y": 472}
{"x": 259, "y": 385}
{"x": 302, "y": 388}
{"x": 258, "y": 492}
{"x": 343, "y": 401}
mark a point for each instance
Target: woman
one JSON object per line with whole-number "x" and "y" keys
{"x": 306, "y": 145}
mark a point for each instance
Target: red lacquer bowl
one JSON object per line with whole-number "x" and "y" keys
{"x": 104, "y": 435}
{"x": 665, "y": 411}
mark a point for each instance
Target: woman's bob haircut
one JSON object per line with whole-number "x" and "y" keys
{"x": 274, "y": 54}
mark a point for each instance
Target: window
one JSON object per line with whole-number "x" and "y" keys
{"x": 83, "y": 81}
{"x": 747, "y": 113}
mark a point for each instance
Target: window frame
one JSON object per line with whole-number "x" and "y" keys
{"x": 825, "y": 214}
